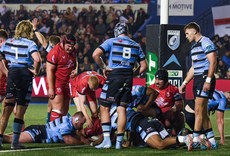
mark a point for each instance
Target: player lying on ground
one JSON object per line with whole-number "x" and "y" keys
{"x": 151, "y": 131}
{"x": 61, "y": 130}
{"x": 217, "y": 103}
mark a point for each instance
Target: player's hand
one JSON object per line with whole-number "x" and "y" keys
{"x": 140, "y": 108}
{"x": 206, "y": 87}
{"x": 51, "y": 94}
{"x": 182, "y": 89}
{"x": 106, "y": 71}
{"x": 89, "y": 123}
{"x": 73, "y": 74}
{"x": 35, "y": 23}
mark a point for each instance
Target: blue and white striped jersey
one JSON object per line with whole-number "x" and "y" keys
{"x": 58, "y": 128}
{"x": 139, "y": 95}
{"x": 48, "y": 48}
{"x": 123, "y": 52}
{"x": 18, "y": 52}
{"x": 218, "y": 102}
{"x": 198, "y": 52}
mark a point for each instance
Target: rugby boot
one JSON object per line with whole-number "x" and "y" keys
{"x": 17, "y": 146}
{"x": 189, "y": 141}
{"x": 104, "y": 144}
{"x": 205, "y": 141}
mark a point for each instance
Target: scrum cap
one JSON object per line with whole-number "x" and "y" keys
{"x": 162, "y": 74}
{"x": 120, "y": 28}
{"x": 69, "y": 39}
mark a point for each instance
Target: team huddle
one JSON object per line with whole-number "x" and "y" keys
{"x": 153, "y": 116}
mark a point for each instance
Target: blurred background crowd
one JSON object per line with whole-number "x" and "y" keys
{"x": 91, "y": 27}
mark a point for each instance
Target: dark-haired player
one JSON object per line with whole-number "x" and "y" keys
{"x": 60, "y": 65}
{"x": 123, "y": 53}
{"x": 203, "y": 54}
{"x": 169, "y": 101}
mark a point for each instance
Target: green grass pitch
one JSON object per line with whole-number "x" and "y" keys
{"x": 36, "y": 114}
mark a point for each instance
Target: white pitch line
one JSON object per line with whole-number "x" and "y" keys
{"x": 37, "y": 149}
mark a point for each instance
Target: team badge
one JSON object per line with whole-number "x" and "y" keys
{"x": 59, "y": 90}
{"x": 173, "y": 39}
{"x": 167, "y": 94}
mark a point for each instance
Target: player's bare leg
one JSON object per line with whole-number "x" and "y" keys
{"x": 121, "y": 124}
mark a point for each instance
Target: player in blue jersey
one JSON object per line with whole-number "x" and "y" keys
{"x": 150, "y": 130}
{"x": 24, "y": 63}
{"x": 123, "y": 54}
{"x": 61, "y": 130}
{"x": 203, "y": 53}
{"x": 218, "y": 103}
{"x": 143, "y": 99}
{"x": 48, "y": 45}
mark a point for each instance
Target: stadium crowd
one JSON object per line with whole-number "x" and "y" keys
{"x": 91, "y": 27}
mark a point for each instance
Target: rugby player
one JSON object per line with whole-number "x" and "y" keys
{"x": 61, "y": 130}
{"x": 60, "y": 66}
{"x": 203, "y": 53}
{"x": 83, "y": 90}
{"x": 123, "y": 53}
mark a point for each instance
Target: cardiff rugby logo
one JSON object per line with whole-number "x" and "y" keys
{"x": 173, "y": 39}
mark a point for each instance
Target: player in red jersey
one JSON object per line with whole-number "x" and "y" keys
{"x": 169, "y": 101}
{"x": 61, "y": 63}
{"x": 3, "y": 38}
{"x": 83, "y": 91}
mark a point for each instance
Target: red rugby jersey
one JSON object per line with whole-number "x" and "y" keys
{"x": 64, "y": 62}
{"x": 81, "y": 81}
{"x": 167, "y": 97}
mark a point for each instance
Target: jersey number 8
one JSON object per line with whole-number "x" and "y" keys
{"x": 126, "y": 53}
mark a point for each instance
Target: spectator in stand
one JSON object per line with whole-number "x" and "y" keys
{"x": 69, "y": 17}
{"x": 102, "y": 13}
{"x": 86, "y": 64}
{"x": 88, "y": 31}
{"x": 80, "y": 29}
{"x": 109, "y": 30}
{"x": 22, "y": 13}
{"x": 141, "y": 17}
{"x": 217, "y": 41}
{"x": 221, "y": 70}
{"x": 82, "y": 14}
{"x": 11, "y": 29}
{"x": 228, "y": 74}
{"x": 226, "y": 42}
{"x": 128, "y": 12}
{"x": 100, "y": 29}
{"x": 226, "y": 58}
{"x": 110, "y": 14}
{"x": 90, "y": 16}
{"x": 75, "y": 12}
{"x": 81, "y": 69}
{"x": 131, "y": 25}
